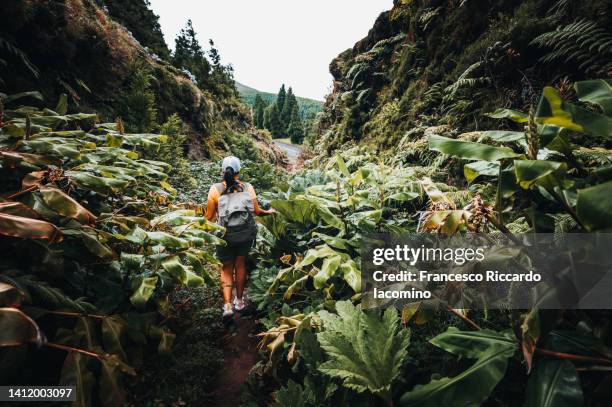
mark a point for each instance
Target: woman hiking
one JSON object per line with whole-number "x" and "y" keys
{"x": 232, "y": 204}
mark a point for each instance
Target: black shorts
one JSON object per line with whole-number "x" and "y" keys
{"x": 230, "y": 252}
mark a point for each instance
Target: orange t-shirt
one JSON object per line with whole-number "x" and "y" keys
{"x": 213, "y": 201}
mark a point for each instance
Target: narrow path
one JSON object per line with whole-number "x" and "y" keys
{"x": 239, "y": 356}
{"x": 292, "y": 151}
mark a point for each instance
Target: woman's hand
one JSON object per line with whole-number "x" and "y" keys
{"x": 271, "y": 211}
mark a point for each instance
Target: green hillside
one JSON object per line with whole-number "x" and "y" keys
{"x": 308, "y": 107}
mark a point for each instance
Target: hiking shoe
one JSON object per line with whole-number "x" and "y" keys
{"x": 228, "y": 312}
{"x": 239, "y": 304}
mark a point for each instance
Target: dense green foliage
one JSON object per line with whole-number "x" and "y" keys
{"x": 107, "y": 277}
{"x": 281, "y": 118}
{"x": 431, "y": 63}
{"x": 96, "y": 249}
{"x": 308, "y": 108}
{"x": 80, "y": 48}
{"x": 536, "y": 179}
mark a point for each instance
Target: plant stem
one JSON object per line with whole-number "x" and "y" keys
{"x": 25, "y": 191}
{"x": 71, "y": 349}
{"x": 575, "y": 358}
{"x": 471, "y": 323}
{"x": 77, "y": 314}
{"x": 567, "y": 208}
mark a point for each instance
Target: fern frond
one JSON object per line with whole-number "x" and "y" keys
{"x": 582, "y": 42}
{"x": 11, "y": 49}
{"x": 464, "y": 82}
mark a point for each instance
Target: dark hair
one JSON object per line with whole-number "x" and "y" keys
{"x": 229, "y": 176}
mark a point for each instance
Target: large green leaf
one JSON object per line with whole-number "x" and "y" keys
{"x": 538, "y": 172}
{"x": 90, "y": 239}
{"x": 475, "y": 169}
{"x": 103, "y": 185}
{"x": 365, "y": 351}
{"x": 554, "y": 383}
{"x": 351, "y": 274}
{"x": 471, "y": 344}
{"x": 342, "y": 166}
{"x": 64, "y": 205}
{"x": 491, "y": 349}
{"x": 14, "y": 97}
{"x": 333, "y": 241}
{"x": 469, "y": 388}
{"x": 144, "y": 290}
{"x": 504, "y": 136}
{"x": 293, "y": 395}
{"x": 469, "y": 150}
{"x": 327, "y": 270}
{"x": 593, "y": 206}
{"x": 182, "y": 273}
{"x": 596, "y": 91}
{"x": 299, "y": 211}
{"x": 319, "y": 252}
{"x": 513, "y": 115}
{"x": 554, "y": 110}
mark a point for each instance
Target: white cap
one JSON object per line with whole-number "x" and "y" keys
{"x": 231, "y": 162}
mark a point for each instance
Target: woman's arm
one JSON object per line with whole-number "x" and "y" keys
{"x": 258, "y": 210}
{"x": 211, "y": 204}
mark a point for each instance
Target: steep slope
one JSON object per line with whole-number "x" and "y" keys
{"x": 76, "y": 47}
{"x": 140, "y": 20}
{"x": 427, "y": 63}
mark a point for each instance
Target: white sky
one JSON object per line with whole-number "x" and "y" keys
{"x": 270, "y": 42}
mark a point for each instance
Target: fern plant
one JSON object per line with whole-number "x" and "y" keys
{"x": 582, "y": 42}
{"x": 365, "y": 350}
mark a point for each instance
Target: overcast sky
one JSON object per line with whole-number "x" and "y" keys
{"x": 270, "y": 42}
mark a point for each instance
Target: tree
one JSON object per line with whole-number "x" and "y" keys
{"x": 274, "y": 123}
{"x": 222, "y": 76}
{"x": 296, "y": 129}
{"x": 266, "y": 118}
{"x": 137, "y": 104}
{"x": 258, "y": 111}
{"x": 174, "y": 152}
{"x": 189, "y": 55}
{"x": 289, "y": 105}
{"x": 280, "y": 99}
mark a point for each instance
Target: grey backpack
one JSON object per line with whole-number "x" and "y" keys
{"x": 235, "y": 211}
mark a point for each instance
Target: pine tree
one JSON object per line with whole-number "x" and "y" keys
{"x": 274, "y": 123}
{"x": 189, "y": 55}
{"x": 137, "y": 103}
{"x": 266, "y": 118}
{"x": 288, "y": 107}
{"x": 296, "y": 129}
{"x": 280, "y": 99}
{"x": 258, "y": 111}
{"x": 174, "y": 152}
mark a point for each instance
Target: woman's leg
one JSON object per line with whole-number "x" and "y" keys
{"x": 227, "y": 280}
{"x": 240, "y": 275}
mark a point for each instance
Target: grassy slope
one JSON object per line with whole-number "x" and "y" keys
{"x": 308, "y": 107}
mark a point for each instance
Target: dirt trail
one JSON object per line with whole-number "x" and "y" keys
{"x": 239, "y": 354}
{"x": 291, "y": 150}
